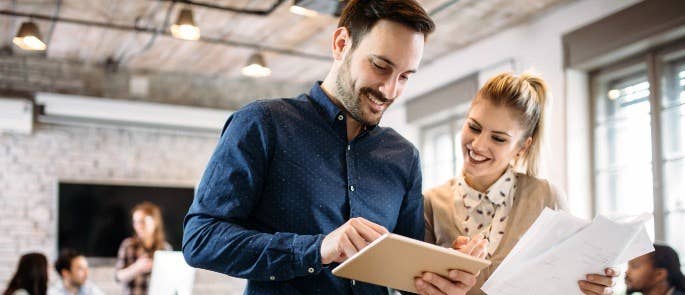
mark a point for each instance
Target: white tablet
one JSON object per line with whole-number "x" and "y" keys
{"x": 394, "y": 261}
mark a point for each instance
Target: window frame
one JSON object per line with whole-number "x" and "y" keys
{"x": 652, "y": 59}
{"x": 453, "y": 123}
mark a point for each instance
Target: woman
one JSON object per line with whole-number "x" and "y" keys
{"x": 496, "y": 197}
{"x": 134, "y": 260}
{"x": 31, "y": 276}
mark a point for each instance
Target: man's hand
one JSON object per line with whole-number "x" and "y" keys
{"x": 349, "y": 239}
{"x": 457, "y": 282}
{"x": 596, "y": 284}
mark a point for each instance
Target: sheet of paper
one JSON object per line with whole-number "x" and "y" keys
{"x": 641, "y": 246}
{"x": 549, "y": 229}
{"x": 559, "y": 249}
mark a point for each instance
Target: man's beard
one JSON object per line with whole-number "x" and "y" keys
{"x": 345, "y": 92}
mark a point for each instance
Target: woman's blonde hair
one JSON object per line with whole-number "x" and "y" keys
{"x": 152, "y": 210}
{"x": 526, "y": 94}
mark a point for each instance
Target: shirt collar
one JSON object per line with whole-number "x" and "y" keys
{"x": 331, "y": 112}
{"x": 497, "y": 193}
{"x": 328, "y": 109}
{"x": 60, "y": 287}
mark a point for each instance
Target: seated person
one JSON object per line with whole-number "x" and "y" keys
{"x": 31, "y": 277}
{"x": 72, "y": 268}
{"x": 656, "y": 273}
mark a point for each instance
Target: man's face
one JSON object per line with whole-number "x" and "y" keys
{"x": 641, "y": 274}
{"x": 375, "y": 73}
{"x": 78, "y": 274}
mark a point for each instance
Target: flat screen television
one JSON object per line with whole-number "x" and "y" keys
{"x": 94, "y": 218}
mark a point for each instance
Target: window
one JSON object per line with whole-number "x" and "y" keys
{"x": 639, "y": 140}
{"x": 441, "y": 151}
{"x": 672, "y": 109}
{"x": 440, "y": 116}
{"x": 623, "y": 155}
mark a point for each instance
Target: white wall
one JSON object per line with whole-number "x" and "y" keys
{"x": 32, "y": 165}
{"x": 536, "y": 45}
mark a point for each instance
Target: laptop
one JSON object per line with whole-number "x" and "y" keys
{"x": 171, "y": 275}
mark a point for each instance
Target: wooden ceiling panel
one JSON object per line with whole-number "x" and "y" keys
{"x": 459, "y": 24}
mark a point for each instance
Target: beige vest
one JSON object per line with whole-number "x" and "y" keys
{"x": 532, "y": 196}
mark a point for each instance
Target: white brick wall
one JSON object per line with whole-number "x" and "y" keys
{"x": 31, "y": 166}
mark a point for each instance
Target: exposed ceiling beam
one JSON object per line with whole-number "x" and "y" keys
{"x": 442, "y": 7}
{"x": 152, "y": 30}
{"x": 231, "y": 9}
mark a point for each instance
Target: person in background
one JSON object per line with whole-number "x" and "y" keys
{"x": 656, "y": 273}
{"x": 72, "y": 268}
{"x": 31, "y": 277}
{"x": 134, "y": 259}
{"x": 496, "y": 196}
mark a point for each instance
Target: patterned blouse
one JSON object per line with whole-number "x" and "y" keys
{"x": 130, "y": 250}
{"x": 486, "y": 212}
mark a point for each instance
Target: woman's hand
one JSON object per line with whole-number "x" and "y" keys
{"x": 457, "y": 282}
{"x": 476, "y": 246}
{"x": 596, "y": 284}
{"x": 142, "y": 265}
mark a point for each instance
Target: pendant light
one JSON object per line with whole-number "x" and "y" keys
{"x": 29, "y": 38}
{"x": 184, "y": 27}
{"x": 256, "y": 67}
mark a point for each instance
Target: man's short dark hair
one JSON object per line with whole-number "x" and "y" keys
{"x": 359, "y": 16}
{"x": 64, "y": 260}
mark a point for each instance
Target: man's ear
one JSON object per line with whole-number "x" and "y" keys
{"x": 341, "y": 41}
{"x": 64, "y": 273}
{"x": 660, "y": 274}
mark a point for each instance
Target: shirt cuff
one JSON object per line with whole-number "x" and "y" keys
{"x": 307, "y": 252}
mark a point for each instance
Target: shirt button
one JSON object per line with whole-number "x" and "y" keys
{"x": 310, "y": 270}
{"x": 272, "y": 278}
{"x": 340, "y": 117}
{"x": 352, "y": 187}
{"x": 348, "y": 147}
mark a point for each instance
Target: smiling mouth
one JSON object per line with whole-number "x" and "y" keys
{"x": 476, "y": 158}
{"x": 376, "y": 104}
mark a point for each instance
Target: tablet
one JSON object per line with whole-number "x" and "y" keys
{"x": 394, "y": 261}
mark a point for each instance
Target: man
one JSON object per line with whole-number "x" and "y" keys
{"x": 656, "y": 273}
{"x": 72, "y": 268}
{"x": 298, "y": 185}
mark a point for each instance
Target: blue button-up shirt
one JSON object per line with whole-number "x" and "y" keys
{"x": 284, "y": 175}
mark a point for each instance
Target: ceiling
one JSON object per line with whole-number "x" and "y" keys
{"x": 459, "y": 23}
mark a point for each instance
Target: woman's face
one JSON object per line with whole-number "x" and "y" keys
{"x": 144, "y": 225}
{"x": 491, "y": 138}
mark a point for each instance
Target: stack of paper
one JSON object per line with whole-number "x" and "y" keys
{"x": 559, "y": 250}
